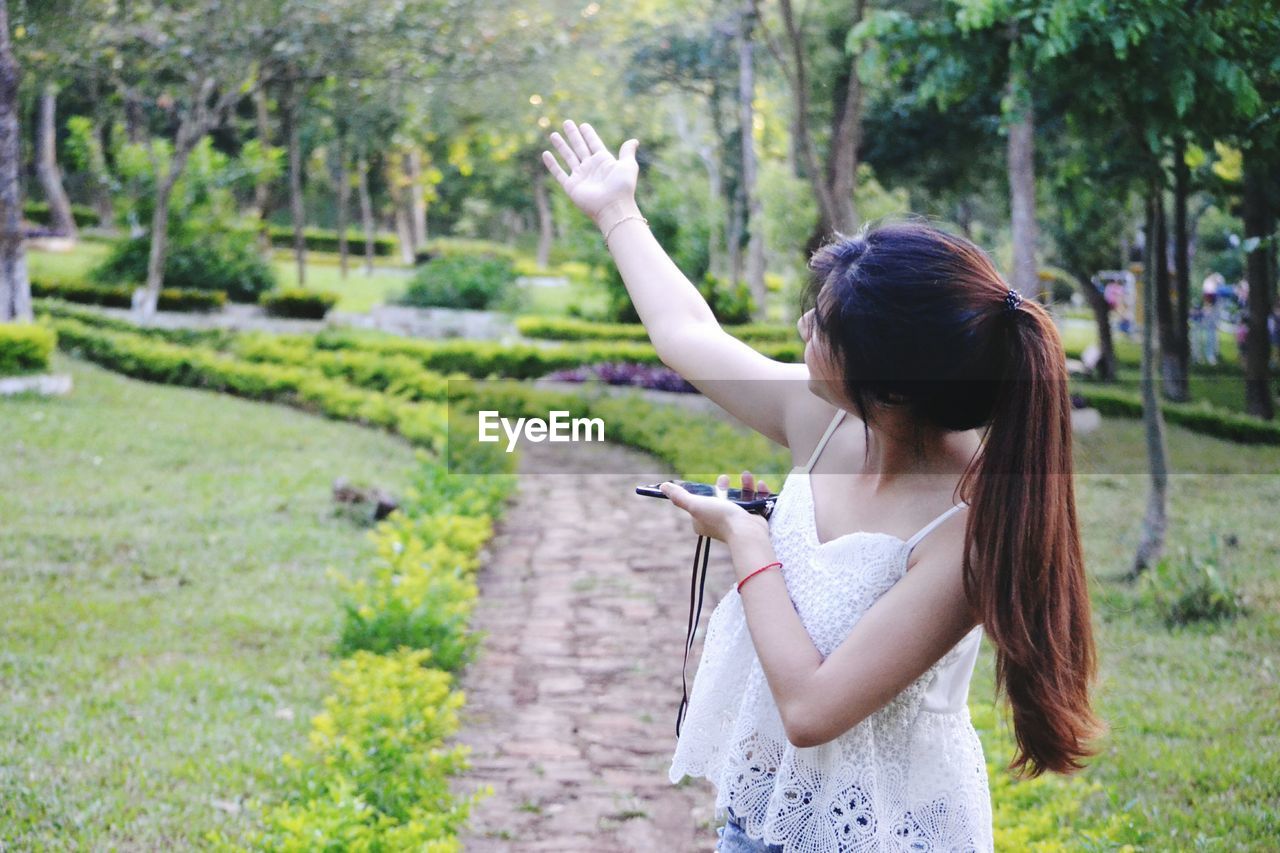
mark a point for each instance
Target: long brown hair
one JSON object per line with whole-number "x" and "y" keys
{"x": 922, "y": 316}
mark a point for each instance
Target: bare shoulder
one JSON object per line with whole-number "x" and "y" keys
{"x": 808, "y": 417}
{"x": 941, "y": 554}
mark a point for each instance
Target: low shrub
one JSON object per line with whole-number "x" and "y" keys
{"x": 326, "y": 240}
{"x": 481, "y": 359}
{"x": 377, "y": 770}
{"x": 462, "y": 281}
{"x": 158, "y": 361}
{"x": 215, "y": 338}
{"x": 394, "y": 374}
{"x": 25, "y": 348}
{"x": 460, "y": 247}
{"x": 571, "y": 329}
{"x": 121, "y": 296}
{"x": 199, "y": 260}
{"x": 1199, "y": 417}
{"x": 421, "y": 591}
{"x": 298, "y": 303}
{"x": 38, "y": 212}
{"x": 1191, "y": 586}
{"x": 729, "y": 304}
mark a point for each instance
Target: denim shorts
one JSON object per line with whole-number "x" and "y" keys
{"x": 734, "y": 839}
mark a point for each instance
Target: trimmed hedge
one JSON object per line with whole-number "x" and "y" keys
{"x": 38, "y": 212}
{"x": 25, "y": 348}
{"x": 569, "y": 329}
{"x": 393, "y": 374}
{"x": 518, "y": 361}
{"x": 216, "y": 338}
{"x": 326, "y": 240}
{"x": 298, "y": 303}
{"x": 121, "y": 296}
{"x": 158, "y": 361}
{"x": 1197, "y": 417}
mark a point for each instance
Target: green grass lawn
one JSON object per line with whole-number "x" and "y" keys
{"x": 72, "y": 265}
{"x": 168, "y": 621}
{"x": 1194, "y": 746}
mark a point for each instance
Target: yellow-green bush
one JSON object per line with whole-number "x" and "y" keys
{"x": 420, "y": 592}
{"x": 376, "y": 772}
{"x": 25, "y": 347}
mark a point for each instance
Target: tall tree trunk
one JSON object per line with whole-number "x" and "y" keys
{"x": 733, "y": 236}
{"x": 1155, "y": 521}
{"x": 723, "y": 259}
{"x": 1106, "y": 367}
{"x": 60, "y": 218}
{"x": 342, "y": 179}
{"x": 102, "y": 202}
{"x": 404, "y": 228}
{"x": 546, "y": 229}
{"x": 753, "y": 211}
{"x": 1259, "y": 223}
{"x": 150, "y": 297}
{"x": 417, "y": 199}
{"x": 1022, "y": 184}
{"x": 262, "y": 188}
{"x": 707, "y": 155}
{"x": 1164, "y": 302}
{"x": 297, "y": 211}
{"x": 842, "y": 155}
{"x": 15, "y": 289}
{"x": 135, "y": 120}
{"x": 1177, "y": 363}
{"x": 366, "y": 212}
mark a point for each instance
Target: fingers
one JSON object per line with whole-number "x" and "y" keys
{"x": 592, "y": 138}
{"x": 674, "y": 493}
{"x": 628, "y": 150}
{"x": 553, "y": 166}
{"x": 576, "y": 141}
{"x": 570, "y": 158}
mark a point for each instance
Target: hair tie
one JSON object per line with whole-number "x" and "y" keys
{"x": 1012, "y": 300}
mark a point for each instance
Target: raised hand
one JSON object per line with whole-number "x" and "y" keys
{"x": 596, "y": 182}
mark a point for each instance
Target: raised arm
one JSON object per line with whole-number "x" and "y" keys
{"x": 762, "y": 393}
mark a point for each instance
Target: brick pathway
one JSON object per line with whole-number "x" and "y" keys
{"x": 572, "y": 699}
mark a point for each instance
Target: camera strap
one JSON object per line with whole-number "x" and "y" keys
{"x": 701, "y": 553}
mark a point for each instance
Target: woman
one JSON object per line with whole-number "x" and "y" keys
{"x": 829, "y": 707}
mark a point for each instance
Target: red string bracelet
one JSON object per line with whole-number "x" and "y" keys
{"x": 756, "y": 572}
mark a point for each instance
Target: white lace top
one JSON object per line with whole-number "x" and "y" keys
{"x": 909, "y": 777}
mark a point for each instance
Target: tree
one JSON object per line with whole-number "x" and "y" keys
{"x": 796, "y": 52}
{"x": 15, "y": 289}
{"x": 192, "y": 61}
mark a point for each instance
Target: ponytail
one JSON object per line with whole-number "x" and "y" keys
{"x": 1025, "y": 571}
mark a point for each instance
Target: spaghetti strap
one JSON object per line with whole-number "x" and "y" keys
{"x": 822, "y": 442}
{"x": 928, "y": 528}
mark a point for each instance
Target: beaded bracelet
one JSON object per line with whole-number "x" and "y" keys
{"x": 619, "y": 222}
{"x": 756, "y": 572}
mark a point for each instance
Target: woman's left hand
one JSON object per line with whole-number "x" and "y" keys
{"x": 720, "y": 518}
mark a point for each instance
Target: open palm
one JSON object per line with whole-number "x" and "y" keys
{"x": 596, "y": 179}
